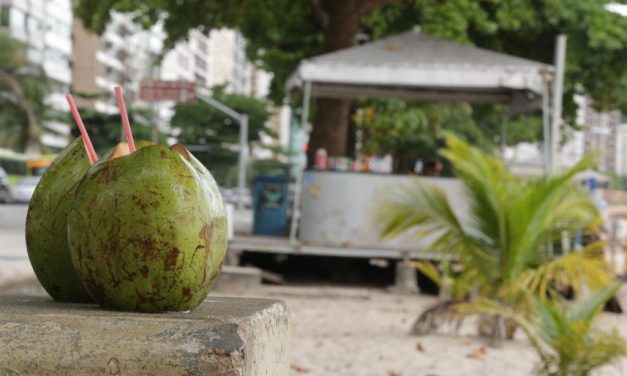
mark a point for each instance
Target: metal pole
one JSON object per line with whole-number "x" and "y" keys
{"x": 546, "y": 137}
{"x": 155, "y": 126}
{"x": 299, "y": 177}
{"x": 503, "y": 136}
{"x": 241, "y": 173}
{"x": 232, "y": 113}
{"x": 558, "y": 89}
{"x": 242, "y": 119}
{"x": 613, "y": 243}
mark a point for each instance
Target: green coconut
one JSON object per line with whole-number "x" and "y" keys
{"x": 46, "y": 225}
{"x": 148, "y": 230}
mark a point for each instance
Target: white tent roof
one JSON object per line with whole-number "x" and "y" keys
{"x": 414, "y": 65}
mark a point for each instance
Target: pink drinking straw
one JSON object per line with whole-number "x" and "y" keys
{"x": 91, "y": 153}
{"x": 125, "y": 123}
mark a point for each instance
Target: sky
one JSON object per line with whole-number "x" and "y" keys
{"x": 617, "y": 8}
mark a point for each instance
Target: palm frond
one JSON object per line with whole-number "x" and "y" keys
{"x": 541, "y": 211}
{"x": 421, "y": 207}
{"x": 484, "y": 306}
{"x": 586, "y": 309}
{"x": 562, "y": 334}
{"x": 486, "y": 186}
{"x": 604, "y": 348}
{"x": 431, "y": 271}
{"x": 576, "y": 270}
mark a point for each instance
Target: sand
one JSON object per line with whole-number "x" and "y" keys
{"x": 339, "y": 331}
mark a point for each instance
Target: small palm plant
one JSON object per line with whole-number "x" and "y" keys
{"x": 504, "y": 240}
{"x": 562, "y": 334}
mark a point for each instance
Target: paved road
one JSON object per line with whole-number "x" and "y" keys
{"x": 14, "y": 264}
{"x": 12, "y": 243}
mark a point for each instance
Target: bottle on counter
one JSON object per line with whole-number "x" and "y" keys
{"x": 331, "y": 163}
{"x": 320, "y": 161}
{"x": 356, "y": 165}
{"x": 342, "y": 163}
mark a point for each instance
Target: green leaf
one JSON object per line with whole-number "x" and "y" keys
{"x": 586, "y": 309}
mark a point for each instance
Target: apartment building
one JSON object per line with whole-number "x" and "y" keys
{"x": 218, "y": 58}
{"x": 125, "y": 54}
{"x": 44, "y": 26}
{"x": 603, "y": 134}
{"x": 188, "y": 60}
{"x": 122, "y": 56}
{"x": 621, "y": 160}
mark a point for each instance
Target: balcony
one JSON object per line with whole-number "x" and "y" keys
{"x": 109, "y": 60}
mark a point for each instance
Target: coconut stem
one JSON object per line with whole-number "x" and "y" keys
{"x": 126, "y": 125}
{"x": 91, "y": 153}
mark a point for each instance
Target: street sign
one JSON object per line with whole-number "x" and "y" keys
{"x": 179, "y": 91}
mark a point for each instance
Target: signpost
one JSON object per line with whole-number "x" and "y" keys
{"x": 155, "y": 90}
{"x": 558, "y": 89}
{"x": 151, "y": 90}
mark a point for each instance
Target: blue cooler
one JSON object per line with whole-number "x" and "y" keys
{"x": 270, "y": 205}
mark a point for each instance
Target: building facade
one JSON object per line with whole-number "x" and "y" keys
{"x": 603, "y": 134}
{"x": 188, "y": 60}
{"x": 218, "y": 58}
{"x": 44, "y": 26}
{"x": 123, "y": 55}
{"x": 621, "y": 161}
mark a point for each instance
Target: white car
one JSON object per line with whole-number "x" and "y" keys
{"x": 5, "y": 190}
{"x": 23, "y": 191}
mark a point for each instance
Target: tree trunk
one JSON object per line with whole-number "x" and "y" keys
{"x": 330, "y": 129}
{"x": 340, "y": 23}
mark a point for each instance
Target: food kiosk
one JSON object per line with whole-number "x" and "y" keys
{"x": 333, "y": 211}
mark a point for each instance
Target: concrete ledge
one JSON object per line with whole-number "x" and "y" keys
{"x": 224, "y": 336}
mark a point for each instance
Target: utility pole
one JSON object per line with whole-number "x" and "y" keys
{"x": 546, "y": 121}
{"x": 242, "y": 119}
{"x": 558, "y": 90}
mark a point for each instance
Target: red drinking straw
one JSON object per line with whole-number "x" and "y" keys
{"x": 125, "y": 123}
{"x": 91, "y": 153}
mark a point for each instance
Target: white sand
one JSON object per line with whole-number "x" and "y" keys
{"x": 365, "y": 332}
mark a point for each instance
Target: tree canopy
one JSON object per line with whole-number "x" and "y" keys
{"x": 23, "y": 87}
{"x": 282, "y": 32}
{"x": 214, "y": 135}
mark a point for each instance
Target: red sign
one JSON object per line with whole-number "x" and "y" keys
{"x": 161, "y": 90}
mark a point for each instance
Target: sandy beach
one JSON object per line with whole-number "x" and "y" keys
{"x": 340, "y": 331}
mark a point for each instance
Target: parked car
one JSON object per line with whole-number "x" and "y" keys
{"x": 5, "y": 190}
{"x": 23, "y": 191}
